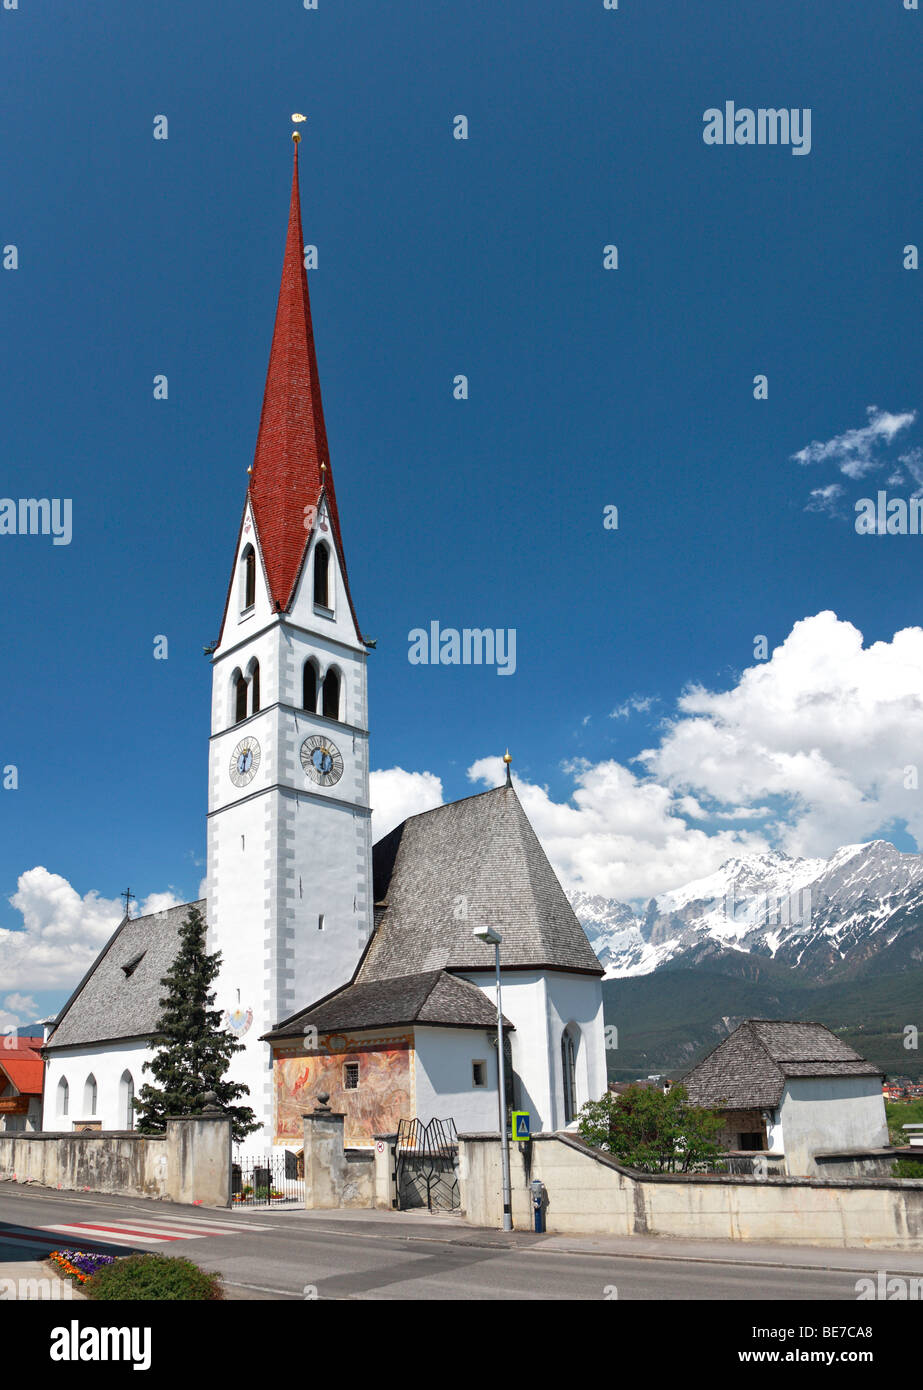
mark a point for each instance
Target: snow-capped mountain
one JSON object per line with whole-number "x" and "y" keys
{"x": 836, "y": 915}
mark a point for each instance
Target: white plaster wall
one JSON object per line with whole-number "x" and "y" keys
{"x": 107, "y": 1062}
{"x": 540, "y": 1005}
{"x": 830, "y": 1113}
{"x": 443, "y": 1073}
{"x": 576, "y": 1000}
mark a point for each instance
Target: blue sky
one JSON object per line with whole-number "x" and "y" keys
{"x": 587, "y": 388}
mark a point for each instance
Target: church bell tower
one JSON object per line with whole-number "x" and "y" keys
{"x": 289, "y": 829}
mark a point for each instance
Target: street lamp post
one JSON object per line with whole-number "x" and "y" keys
{"x": 493, "y": 938}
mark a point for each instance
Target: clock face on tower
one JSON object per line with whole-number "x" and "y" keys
{"x": 244, "y": 762}
{"x": 321, "y": 760}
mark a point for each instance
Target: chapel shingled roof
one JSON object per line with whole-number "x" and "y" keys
{"x": 470, "y": 863}
{"x": 111, "y": 1003}
{"x": 748, "y": 1070}
{"x": 434, "y": 997}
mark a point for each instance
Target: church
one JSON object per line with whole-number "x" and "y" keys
{"x": 348, "y": 970}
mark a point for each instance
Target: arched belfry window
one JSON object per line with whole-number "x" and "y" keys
{"x": 309, "y": 687}
{"x": 240, "y": 698}
{"x": 248, "y": 578}
{"x": 331, "y": 707}
{"x": 255, "y": 688}
{"x": 569, "y": 1070}
{"x": 322, "y": 576}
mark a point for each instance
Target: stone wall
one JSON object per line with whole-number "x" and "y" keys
{"x": 191, "y": 1163}
{"x": 588, "y": 1192}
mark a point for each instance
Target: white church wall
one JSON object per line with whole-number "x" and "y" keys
{"x": 444, "y": 1077}
{"x": 524, "y": 1004}
{"x": 109, "y": 1063}
{"x": 576, "y": 1001}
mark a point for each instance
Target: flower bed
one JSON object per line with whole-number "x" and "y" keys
{"x": 80, "y": 1265}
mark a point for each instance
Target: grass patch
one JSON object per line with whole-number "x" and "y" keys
{"x": 154, "y": 1278}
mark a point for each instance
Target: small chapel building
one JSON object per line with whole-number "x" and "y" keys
{"x": 343, "y": 972}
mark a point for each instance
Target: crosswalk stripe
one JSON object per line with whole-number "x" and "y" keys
{"x": 110, "y": 1234}
{"x": 151, "y": 1233}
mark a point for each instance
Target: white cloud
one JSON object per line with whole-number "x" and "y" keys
{"x": 397, "y": 794}
{"x": 856, "y": 451}
{"x": 825, "y": 499}
{"x": 61, "y": 932}
{"x": 635, "y": 704}
{"x": 17, "y": 1011}
{"x": 827, "y": 728}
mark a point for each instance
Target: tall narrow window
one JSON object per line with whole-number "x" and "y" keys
{"x": 128, "y": 1094}
{"x": 90, "y": 1095}
{"x": 569, "y": 1068}
{"x": 240, "y": 700}
{"x": 248, "y": 561}
{"x": 322, "y": 576}
{"x": 332, "y": 695}
{"x": 309, "y": 687}
{"x": 255, "y": 688}
{"x": 64, "y": 1096}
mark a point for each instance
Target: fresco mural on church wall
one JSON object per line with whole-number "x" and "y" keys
{"x": 384, "y": 1095}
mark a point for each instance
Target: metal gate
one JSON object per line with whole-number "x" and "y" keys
{"x": 275, "y": 1180}
{"x": 427, "y": 1165}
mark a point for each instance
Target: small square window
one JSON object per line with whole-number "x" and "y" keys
{"x": 351, "y": 1076}
{"x": 479, "y": 1073}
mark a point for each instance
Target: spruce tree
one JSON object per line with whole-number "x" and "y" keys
{"x": 193, "y": 1050}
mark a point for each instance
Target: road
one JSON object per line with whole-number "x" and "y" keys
{"x": 292, "y": 1254}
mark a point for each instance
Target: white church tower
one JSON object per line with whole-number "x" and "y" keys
{"x": 289, "y": 830}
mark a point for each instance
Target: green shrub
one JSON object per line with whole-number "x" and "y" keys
{"x": 154, "y": 1278}
{"x": 907, "y": 1168}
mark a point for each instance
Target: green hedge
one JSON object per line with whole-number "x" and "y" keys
{"x": 156, "y": 1278}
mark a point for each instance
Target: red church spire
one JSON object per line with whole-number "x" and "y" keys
{"x": 291, "y": 467}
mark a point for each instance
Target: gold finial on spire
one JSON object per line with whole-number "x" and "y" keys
{"x": 297, "y": 118}
{"x": 508, "y": 758}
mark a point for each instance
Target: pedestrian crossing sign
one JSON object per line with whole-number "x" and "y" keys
{"x": 521, "y": 1124}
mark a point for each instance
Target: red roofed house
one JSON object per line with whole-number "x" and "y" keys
{"x": 21, "y": 1071}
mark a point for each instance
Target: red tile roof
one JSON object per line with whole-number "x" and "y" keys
{"x": 25, "y": 1072}
{"x": 291, "y": 466}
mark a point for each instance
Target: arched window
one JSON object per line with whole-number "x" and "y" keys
{"x": 240, "y": 699}
{"x": 322, "y": 576}
{"x": 332, "y": 695}
{"x": 255, "y": 688}
{"x": 569, "y": 1069}
{"x": 64, "y": 1096}
{"x": 309, "y": 687}
{"x": 90, "y": 1095}
{"x": 248, "y": 578}
{"x": 127, "y": 1095}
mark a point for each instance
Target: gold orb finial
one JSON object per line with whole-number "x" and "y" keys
{"x": 296, "y": 137}
{"x": 507, "y": 757}
{"x": 297, "y": 118}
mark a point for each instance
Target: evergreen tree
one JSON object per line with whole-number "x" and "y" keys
{"x": 193, "y": 1050}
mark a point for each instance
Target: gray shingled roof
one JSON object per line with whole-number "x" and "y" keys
{"x": 749, "y": 1069}
{"x": 108, "y": 1004}
{"x": 471, "y": 863}
{"x": 435, "y": 997}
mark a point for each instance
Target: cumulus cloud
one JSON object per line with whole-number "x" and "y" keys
{"x": 858, "y": 451}
{"x": 396, "y": 794}
{"x": 61, "y": 931}
{"x": 17, "y": 1010}
{"x": 827, "y": 730}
